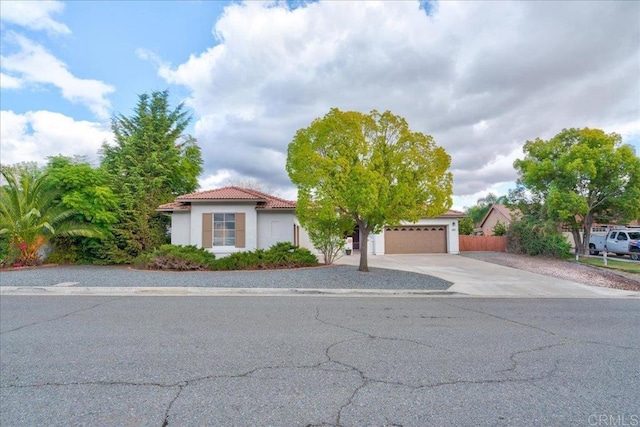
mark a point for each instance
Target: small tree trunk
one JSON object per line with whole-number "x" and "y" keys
{"x": 575, "y": 232}
{"x": 588, "y": 222}
{"x": 364, "y": 246}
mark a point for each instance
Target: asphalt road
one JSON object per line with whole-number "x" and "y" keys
{"x": 303, "y": 361}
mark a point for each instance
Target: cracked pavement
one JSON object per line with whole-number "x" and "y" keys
{"x": 155, "y": 361}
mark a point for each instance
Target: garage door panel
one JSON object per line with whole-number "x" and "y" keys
{"x": 412, "y": 239}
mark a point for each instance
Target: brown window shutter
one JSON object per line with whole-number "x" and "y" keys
{"x": 207, "y": 230}
{"x": 240, "y": 243}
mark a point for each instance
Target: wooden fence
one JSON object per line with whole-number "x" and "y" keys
{"x": 483, "y": 243}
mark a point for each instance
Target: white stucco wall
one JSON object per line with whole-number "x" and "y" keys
{"x": 274, "y": 227}
{"x": 251, "y": 221}
{"x": 181, "y": 228}
{"x": 305, "y": 240}
{"x": 376, "y": 241}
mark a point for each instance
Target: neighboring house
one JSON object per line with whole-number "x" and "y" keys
{"x": 233, "y": 219}
{"x": 496, "y": 213}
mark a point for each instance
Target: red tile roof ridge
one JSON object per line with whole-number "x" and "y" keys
{"x": 239, "y": 193}
{"x": 217, "y": 192}
{"x": 268, "y": 196}
{"x": 174, "y": 206}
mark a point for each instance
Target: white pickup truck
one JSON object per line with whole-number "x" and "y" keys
{"x": 620, "y": 242}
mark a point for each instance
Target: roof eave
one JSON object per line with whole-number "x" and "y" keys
{"x": 248, "y": 200}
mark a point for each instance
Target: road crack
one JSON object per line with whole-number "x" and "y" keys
{"x": 61, "y": 316}
{"x": 537, "y": 328}
{"x": 365, "y": 380}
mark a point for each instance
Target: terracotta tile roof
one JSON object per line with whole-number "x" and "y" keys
{"x": 225, "y": 193}
{"x": 174, "y": 206}
{"x": 453, "y": 214}
{"x": 270, "y": 202}
{"x": 263, "y": 200}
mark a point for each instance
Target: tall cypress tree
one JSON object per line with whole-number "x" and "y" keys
{"x": 152, "y": 162}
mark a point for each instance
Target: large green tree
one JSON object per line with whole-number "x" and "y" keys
{"x": 370, "y": 167}
{"x": 582, "y": 175}
{"x": 152, "y": 162}
{"x": 86, "y": 190}
{"x": 31, "y": 214}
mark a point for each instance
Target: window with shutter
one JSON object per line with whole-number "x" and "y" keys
{"x": 223, "y": 229}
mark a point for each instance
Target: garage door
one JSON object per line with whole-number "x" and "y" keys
{"x": 420, "y": 239}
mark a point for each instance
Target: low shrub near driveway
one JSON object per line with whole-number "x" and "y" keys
{"x": 180, "y": 258}
{"x": 280, "y": 255}
{"x": 191, "y": 258}
{"x": 529, "y": 237}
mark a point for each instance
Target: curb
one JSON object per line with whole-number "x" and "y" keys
{"x": 97, "y": 291}
{"x": 219, "y": 292}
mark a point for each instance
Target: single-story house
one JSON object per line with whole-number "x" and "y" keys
{"x": 233, "y": 219}
{"x": 496, "y": 213}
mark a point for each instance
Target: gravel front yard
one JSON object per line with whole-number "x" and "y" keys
{"x": 568, "y": 270}
{"x": 331, "y": 277}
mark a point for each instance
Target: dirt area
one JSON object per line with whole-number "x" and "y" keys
{"x": 567, "y": 270}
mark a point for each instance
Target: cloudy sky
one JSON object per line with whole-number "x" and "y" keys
{"x": 481, "y": 77}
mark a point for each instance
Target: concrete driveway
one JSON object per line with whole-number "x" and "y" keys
{"x": 479, "y": 278}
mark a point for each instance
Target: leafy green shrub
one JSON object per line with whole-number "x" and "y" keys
{"x": 500, "y": 229}
{"x": 286, "y": 255}
{"x": 8, "y": 254}
{"x": 280, "y": 255}
{"x": 181, "y": 258}
{"x": 185, "y": 258}
{"x": 64, "y": 251}
{"x": 251, "y": 260}
{"x": 466, "y": 226}
{"x": 531, "y": 238}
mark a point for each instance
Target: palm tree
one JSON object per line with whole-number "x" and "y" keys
{"x": 31, "y": 214}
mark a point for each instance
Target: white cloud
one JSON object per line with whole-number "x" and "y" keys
{"x": 480, "y": 127}
{"x": 35, "y": 135}
{"x": 482, "y": 77}
{"x": 33, "y": 64}
{"x": 214, "y": 180}
{"x": 498, "y": 169}
{"x": 34, "y": 15}
{"x": 468, "y": 200}
{"x": 9, "y": 82}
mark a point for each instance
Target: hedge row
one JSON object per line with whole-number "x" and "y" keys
{"x": 191, "y": 258}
